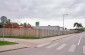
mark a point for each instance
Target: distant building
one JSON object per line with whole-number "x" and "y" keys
{"x": 61, "y": 28}
{"x": 15, "y": 24}
{"x": 48, "y": 27}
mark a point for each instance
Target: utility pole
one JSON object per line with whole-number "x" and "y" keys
{"x": 63, "y": 20}
{"x": 3, "y": 20}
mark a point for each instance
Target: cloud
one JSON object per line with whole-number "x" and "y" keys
{"x": 43, "y": 9}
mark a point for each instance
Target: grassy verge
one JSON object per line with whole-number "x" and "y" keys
{"x": 21, "y": 37}
{"x": 6, "y": 43}
{"x": 27, "y": 37}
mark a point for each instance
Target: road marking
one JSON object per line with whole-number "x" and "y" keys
{"x": 43, "y": 44}
{"x": 61, "y": 47}
{"x": 52, "y": 45}
{"x": 72, "y": 48}
{"x": 83, "y": 49}
{"x": 79, "y": 40}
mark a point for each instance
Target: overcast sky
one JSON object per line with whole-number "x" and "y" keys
{"x": 47, "y": 12}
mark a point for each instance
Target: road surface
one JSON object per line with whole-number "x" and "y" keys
{"x": 70, "y": 45}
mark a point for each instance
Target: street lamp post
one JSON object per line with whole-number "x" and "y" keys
{"x": 3, "y": 20}
{"x": 63, "y": 20}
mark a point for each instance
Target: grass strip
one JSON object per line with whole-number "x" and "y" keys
{"x": 6, "y": 43}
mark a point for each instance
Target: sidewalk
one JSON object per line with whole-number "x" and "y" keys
{"x": 46, "y": 40}
{"x": 12, "y": 47}
{"x": 24, "y": 43}
{"x": 34, "y": 42}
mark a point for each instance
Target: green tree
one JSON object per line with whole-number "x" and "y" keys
{"x": 25, "y": 24}
{"x": 21, "y": 24}
{"x": 8, "y": 23}
{"x": 28, "y": 24}
{"x": 1, "y": 26}
{"x": 78, "y": 25}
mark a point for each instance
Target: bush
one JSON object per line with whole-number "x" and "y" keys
{"x": 80, "y": 30}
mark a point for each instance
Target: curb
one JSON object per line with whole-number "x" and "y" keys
{"x": 13, "y": 49}
{"x": 60, "y": 38}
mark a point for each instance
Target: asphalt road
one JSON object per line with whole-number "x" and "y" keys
{"x": 70, "y": 45}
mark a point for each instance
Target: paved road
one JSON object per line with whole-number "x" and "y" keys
{"x": 71, "y": 45}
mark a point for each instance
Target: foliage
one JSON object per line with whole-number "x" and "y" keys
{"x": 78, "y": 25}
{"x": 83, "y": 29}
{"x": 25, "y": 24}
{"x": 28, "y": 24}
{"x": 1, "y": 26}
{"x": 21, "y": 24}
{"x": 6, "y": 43}
{"x": 8, "y": 23}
